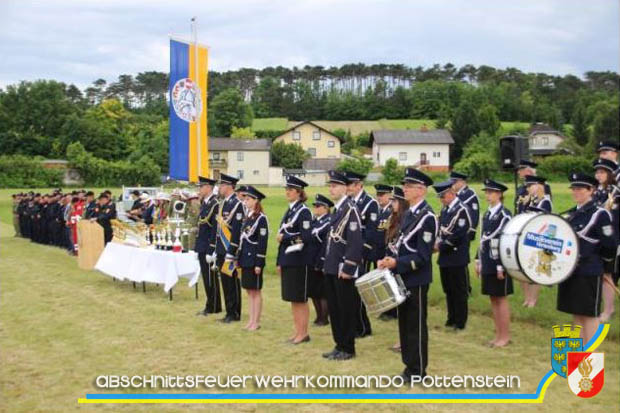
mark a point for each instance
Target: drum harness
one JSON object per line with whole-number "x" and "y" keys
{"x": 412, "y": 228}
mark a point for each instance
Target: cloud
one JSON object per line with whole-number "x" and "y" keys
{"x": 78, "y": 42}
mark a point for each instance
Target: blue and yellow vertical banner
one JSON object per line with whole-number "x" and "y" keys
{"x": 188, "y": 111}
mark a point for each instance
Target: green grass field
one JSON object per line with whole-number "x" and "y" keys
{"x": 60, "y": 327}
{"x": 360, "y": 126}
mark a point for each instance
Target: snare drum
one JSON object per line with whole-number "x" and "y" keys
{"x": 381, "y": 290}
{"x": 538, "y": 248}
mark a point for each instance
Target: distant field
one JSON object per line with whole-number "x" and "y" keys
{"x": 360, "y": 126}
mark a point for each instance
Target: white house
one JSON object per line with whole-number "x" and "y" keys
{"x": 544, "y": 140}
{"x": 248, "y": 160}
{"x": 422, "y": 148}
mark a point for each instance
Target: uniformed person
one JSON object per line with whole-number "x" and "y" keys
{"x": 292, "y": 261}
{"x": 609, "y": 150}
{"x": 539, "y": 201}
{"x": 384, "y": 193}
{"x": 368, "y": 209}
{"x": 192, "y": 211}
{"x": 316, "y": 251}
{"x": 453, "y": 246}
{"x": 252, "y": 252}
{"x": 230, "y": 218}
{"x": 580, "y": 294}
{"x": 522, "y": 199}
{"x": 604, "y": 173}
{"x": 240, "y": 193}
{"x": 16, "y": 199}
{"x": 107, "y": 212}
{"x": 205, "y": 245}
{"x": 91, "y": 205}
{"x": 605, "y": 196}
{"x": 413, "y": 262}
{"x": 343, "y": 264}
{"x": 469, "y": 199}
{"x": 495, "y": 282}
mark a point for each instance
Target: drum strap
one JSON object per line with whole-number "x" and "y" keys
{"x": 411, "y": 228}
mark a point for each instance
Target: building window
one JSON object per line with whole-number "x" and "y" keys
{"x": 312, "y": 151}
{"x": 423, "y": 160}
{"x": 216, "y": 156}
{"x": 256, "y": 172}
{"x": 316, "y": 135}
{"x": 240, "y": 174}
{"x": 296, "y": 135}
{"x": 545, "y": 140}
{"x": 402, "y": 156}
{"x": 436, "y": 154}
{"x": 331, "y": 144}
{"x": 240, "y": 156}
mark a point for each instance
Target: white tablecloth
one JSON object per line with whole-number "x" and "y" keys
{"x": 140, "y": 264}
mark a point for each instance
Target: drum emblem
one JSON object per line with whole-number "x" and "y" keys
{"x": 544, "y": 262}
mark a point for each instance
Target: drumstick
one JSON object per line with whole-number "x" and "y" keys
{"x": 611, "y": 283}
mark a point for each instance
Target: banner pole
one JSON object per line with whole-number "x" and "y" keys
{"x": 197, "y": 81}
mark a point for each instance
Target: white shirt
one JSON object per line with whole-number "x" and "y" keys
{"x": 291, "y": 204}
{"x": 453, "y": 203}
{"x": 340, "y": 202}
{"x": 414, "y": 207}
{"x": 358, "y": 196}
{"x": 493, "y": 210}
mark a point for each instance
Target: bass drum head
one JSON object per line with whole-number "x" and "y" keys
{"x": 547, "y": 249}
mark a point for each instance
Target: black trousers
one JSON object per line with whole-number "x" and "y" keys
{"x": 455, "y": 284}
{"x": 211, "y": 283}
{"x": 340, "y": 294}
{"x": 362, "y": 325}
{"x": 231, "y": 287}
{"x": 413, "y": 331}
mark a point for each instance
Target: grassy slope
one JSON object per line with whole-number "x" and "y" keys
{"x": 60, "y": 327}
{"x": 359, "y": 126}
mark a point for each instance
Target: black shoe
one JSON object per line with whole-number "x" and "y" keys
{"x": 303, "y": 340}
{"x": 202, "y": 312}
{"x": 341, "y": 356}
{"x": 458, "y": 329}
{"x": 321, "y": 322}
{"x": 449, "y": 324}
{"x": 358, "y": 335}
{"x": 225, "y": 320}
{"x": 330, "y": 354}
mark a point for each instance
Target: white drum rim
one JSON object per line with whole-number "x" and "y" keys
{"x": 371, "y": 275}
{"x": 519, "y": 239}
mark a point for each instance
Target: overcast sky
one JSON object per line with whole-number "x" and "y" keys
{"x": 80, "y": 41}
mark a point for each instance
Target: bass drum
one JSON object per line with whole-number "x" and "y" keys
{"x": 539, "y": 248}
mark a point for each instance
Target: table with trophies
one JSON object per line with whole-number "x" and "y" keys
{"x": 156, "y": 253}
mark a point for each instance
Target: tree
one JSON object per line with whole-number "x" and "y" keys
{"x": 288, "y": 155}
{"x": 580, "y": 124}
{"x": 229, "y": 109}
{"x": 355, "y": 164}
{"x": 489, "y": 121}
{"x": 465, "y": 124}
{"x": 607, "y": 123}
{"x": 242, "y": 133}
{"x": 393, "y": 174}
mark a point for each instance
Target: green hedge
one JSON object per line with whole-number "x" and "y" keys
{"x": 19, "y": 171}
{"x": 559, "y": 167}
{"x": 99, "y": 172}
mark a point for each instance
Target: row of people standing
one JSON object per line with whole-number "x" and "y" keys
{"x": 51, "y": 219}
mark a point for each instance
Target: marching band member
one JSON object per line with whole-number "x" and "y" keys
{"x": 292, "y": 262}
{"x": 368, "y": 209}
{"x": 316, "y": 253}
{"x": 343, "y": 263}
{"x": 205, "y": 245}
{"x": 252, "y": 252}
{"x": 604, "y": 196}
{"x": 522, "y": 199}
{"x": 384, "y": 193}
{"x": 609, "y": 150}
{"x": 399, "y": 208}
{"x": 453, "y": 246}
{"x": 495, "y": 282}
{"x": 468, "y": 198}
{"x": 538, "y": 201}
{"x": 580, "y": 294}
{"x": 240, "y": 193}
{"x": 413, "y": 262}
{"x": 604, "y": 174}
{"x": 230, "y": 218}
